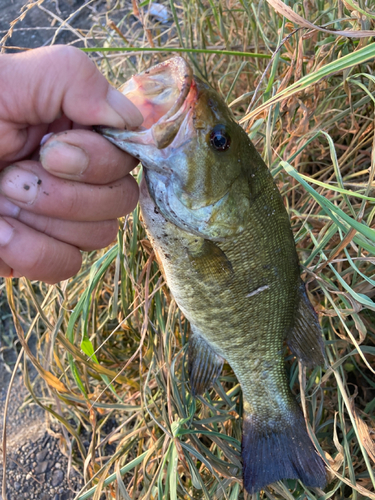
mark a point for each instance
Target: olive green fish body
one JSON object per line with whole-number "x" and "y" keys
{"x": 228, "y": 297}
{"x": 219, "y": 227}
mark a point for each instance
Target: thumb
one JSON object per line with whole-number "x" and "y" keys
{"x": 41, "y": 84}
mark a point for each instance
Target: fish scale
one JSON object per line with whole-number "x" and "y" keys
{"x": 222, "y": 235}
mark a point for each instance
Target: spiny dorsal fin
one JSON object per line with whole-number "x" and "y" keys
{"x": 305, "y": 339}
{"x": 204, "y": 365}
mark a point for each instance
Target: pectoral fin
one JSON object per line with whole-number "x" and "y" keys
{"x": 305, "y": 339}
{"x": 210, "y": 262}
{"x": 204, "y": 365}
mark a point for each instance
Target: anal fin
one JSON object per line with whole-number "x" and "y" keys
{"x": 204, "y": 365}
{"x": 305, "y": 339}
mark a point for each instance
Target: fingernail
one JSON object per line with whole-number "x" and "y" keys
{"x": 45, "y": 138}
{"x": 6, "y": 232}
{"x": 19, "y": 185}
{"x": 124, "y": 109}
{"x": 64, "y": 159}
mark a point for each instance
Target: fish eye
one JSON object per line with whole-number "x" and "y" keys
{"x": 219, "y": 138}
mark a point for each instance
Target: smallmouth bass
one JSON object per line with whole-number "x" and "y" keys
{"x": 222, "y": 235}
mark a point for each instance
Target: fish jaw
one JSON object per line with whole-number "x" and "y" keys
{"x": 162, "y": 94}
{"x": 139, "y": 144}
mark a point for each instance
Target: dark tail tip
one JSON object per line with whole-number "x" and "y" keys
{"x": 281, "y": 451}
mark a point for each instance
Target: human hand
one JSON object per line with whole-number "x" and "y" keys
{"x": 69, "y": 198}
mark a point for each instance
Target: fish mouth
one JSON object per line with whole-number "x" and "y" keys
{"x": 164, "y": 94}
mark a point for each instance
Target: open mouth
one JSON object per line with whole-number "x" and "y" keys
{"x": 164, "y": 94}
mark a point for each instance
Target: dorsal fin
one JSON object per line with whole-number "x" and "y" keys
{"x": 204, "y": 365}
{"x": 305, "y": 339}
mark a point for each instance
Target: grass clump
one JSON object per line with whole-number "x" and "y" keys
{"x": 112, "y": 343}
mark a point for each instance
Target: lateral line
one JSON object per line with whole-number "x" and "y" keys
{"x": 258, "y": 290}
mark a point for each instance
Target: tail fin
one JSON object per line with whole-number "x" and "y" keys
{"x": 284, "y": 451}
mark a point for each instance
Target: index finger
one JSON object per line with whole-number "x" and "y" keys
{"x": 41, "y": 84}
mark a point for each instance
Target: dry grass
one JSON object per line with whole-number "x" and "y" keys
{"x": 112, "y": 340}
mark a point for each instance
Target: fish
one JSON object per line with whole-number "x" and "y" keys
{"x": 223, "y": 239}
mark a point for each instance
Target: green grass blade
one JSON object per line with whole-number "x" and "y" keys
{"x": 358, "y": 57}
{"x": 332, "y": 210}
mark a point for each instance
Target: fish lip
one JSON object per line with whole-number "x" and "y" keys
{"x": 162, "y": 132}
{"x": 185, "y": 74}
{"x": 131, "y": 142}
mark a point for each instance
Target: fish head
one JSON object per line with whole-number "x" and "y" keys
{"x": 191, "y": 149}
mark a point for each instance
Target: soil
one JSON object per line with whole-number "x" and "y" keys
{"x": 38, "y": 27}
{"x": 36, "y": 467}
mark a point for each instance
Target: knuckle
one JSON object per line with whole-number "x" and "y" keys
{"x": 67, "y": 55}
{"x": 54, "y": 261}
{"x": 40, "y": 259}
{"x": 74, "y": 201}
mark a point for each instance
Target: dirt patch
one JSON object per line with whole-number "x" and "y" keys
{"x": 41, "y": 23}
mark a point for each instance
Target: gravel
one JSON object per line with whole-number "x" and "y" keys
{"x": 39, "y": 471}
{"x": 36, "y": 468}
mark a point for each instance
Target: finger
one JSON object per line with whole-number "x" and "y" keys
{"x": 85, "y": 156}
{"x": 86, "y": 236}
{"x": 18, "y": 142}
{"x": 8, "y": 208}
{"x": 5, "y": 270}
{"x": 34, "y": 255}
{"x": 29, "y": 186}
{"x": 66, "y": 81}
